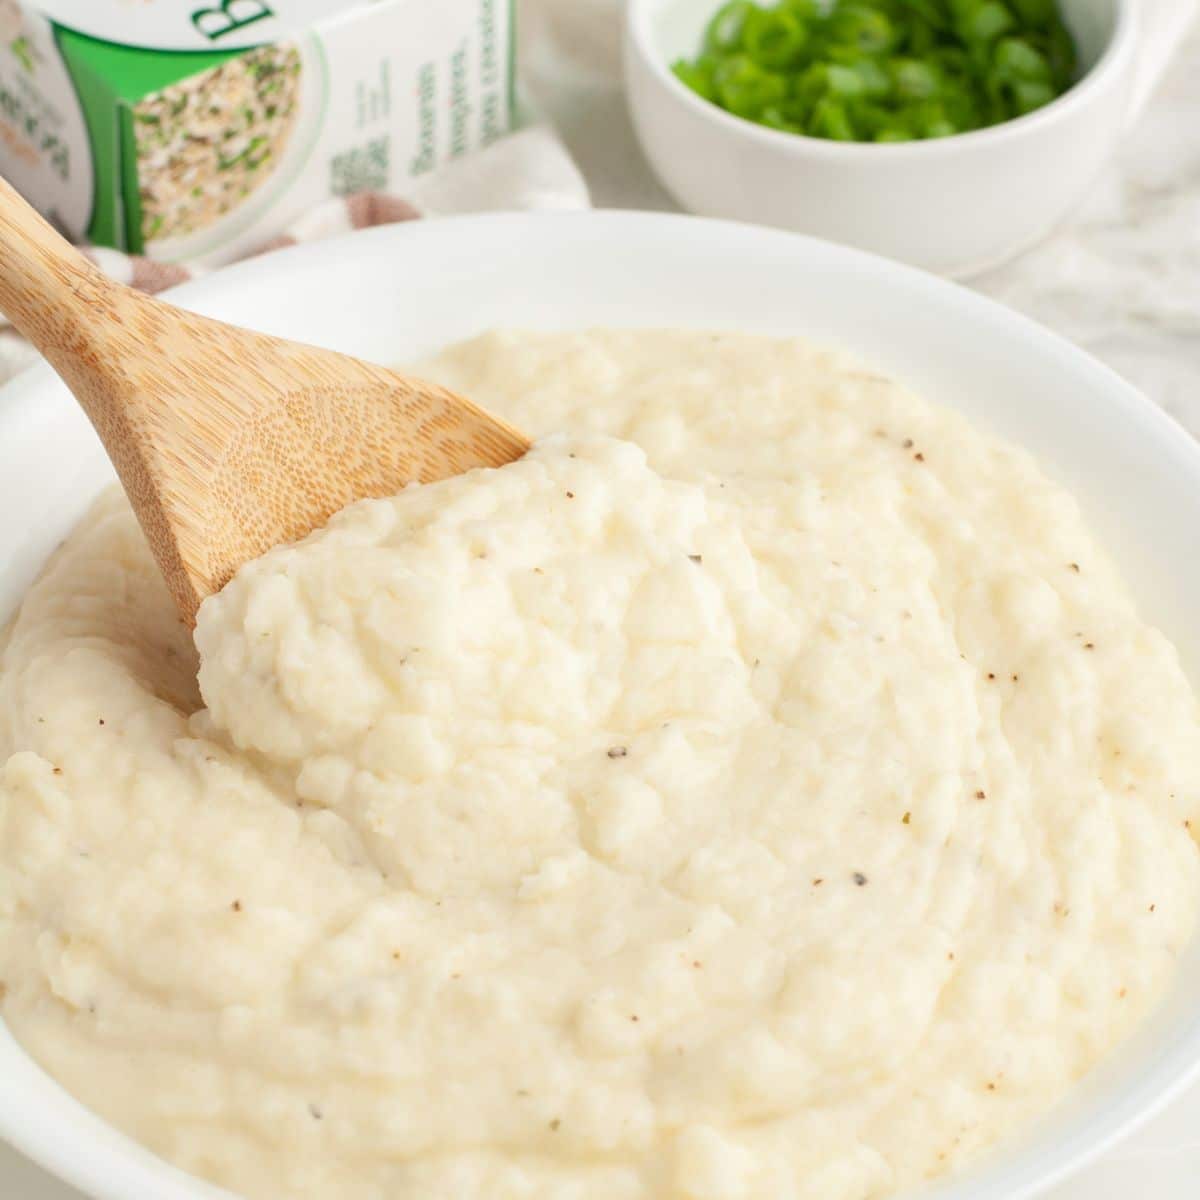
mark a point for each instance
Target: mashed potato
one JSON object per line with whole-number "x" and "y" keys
{"x": 764, "y": 790}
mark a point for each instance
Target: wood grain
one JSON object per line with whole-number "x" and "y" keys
{"x": 228, "y": 442}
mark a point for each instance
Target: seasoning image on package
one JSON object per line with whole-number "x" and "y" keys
{"x": 200, "y": 129}
{"x": 205, "y": 144}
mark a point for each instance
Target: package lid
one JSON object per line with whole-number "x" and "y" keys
{"x": 191, "y": 24}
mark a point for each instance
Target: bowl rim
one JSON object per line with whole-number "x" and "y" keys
{"x": 1116, "y": 58}
{"x": 92, "y": 1155}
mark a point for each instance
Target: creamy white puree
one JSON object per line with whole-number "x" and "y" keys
{"x": 788, "y": 809}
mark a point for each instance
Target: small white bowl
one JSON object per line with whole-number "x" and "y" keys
{"x": 954, "y": 205}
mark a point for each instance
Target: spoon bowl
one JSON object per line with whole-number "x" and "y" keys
{"x": 228, "y": 442}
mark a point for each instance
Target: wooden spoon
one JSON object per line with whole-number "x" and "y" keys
{"x": 227, "y": 442}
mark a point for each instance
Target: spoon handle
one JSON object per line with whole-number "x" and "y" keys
{"x": 51, "y": 293}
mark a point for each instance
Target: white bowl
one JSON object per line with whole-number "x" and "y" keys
{"x": 954, "y": 205}
{"x": 396, "y": 293}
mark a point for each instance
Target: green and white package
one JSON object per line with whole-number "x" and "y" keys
{"x": 199, "y": 129}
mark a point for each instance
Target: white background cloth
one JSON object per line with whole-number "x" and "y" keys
{"x": 1121, "y": 278}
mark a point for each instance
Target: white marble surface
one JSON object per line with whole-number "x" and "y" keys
{"x": 1121, "y": 278}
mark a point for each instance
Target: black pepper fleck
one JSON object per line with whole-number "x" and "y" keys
{"x": 696, "y": 558}
{"x": 554, "y": 1125}
{"x": 860, "y": 879}
{"x": 618, "y": 751}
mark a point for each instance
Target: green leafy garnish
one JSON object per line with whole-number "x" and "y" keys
{"x": 882, "y": 70}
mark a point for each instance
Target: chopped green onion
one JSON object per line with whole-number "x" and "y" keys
{"x": 986, "y": 23}
{"x": 829, "y": 120}
{"x": 922, "y": 37}
{"x": 932, "y": 12}
{"x": 1064, "y": 58}
{"x": 867, "y": 30}
{"x": 774, "y": 38}
{"x": 774, "y": 116}
{"x": 844, "y": 82}
{"x": 939, "y": 127}
{"x": 1036, "y": 13}
{"x": 812, "y": 84}
{"x": 1031, "y": 94}
{"x": 882, "y": 70}
{"x": 724, "y": 34}
{"x": 698, "y": 76}
{"x": 914, "y": 80}
{"x": 876, "y": 82}
{"x": 1016, "y": 59}
{"x": 744, "y": 88}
